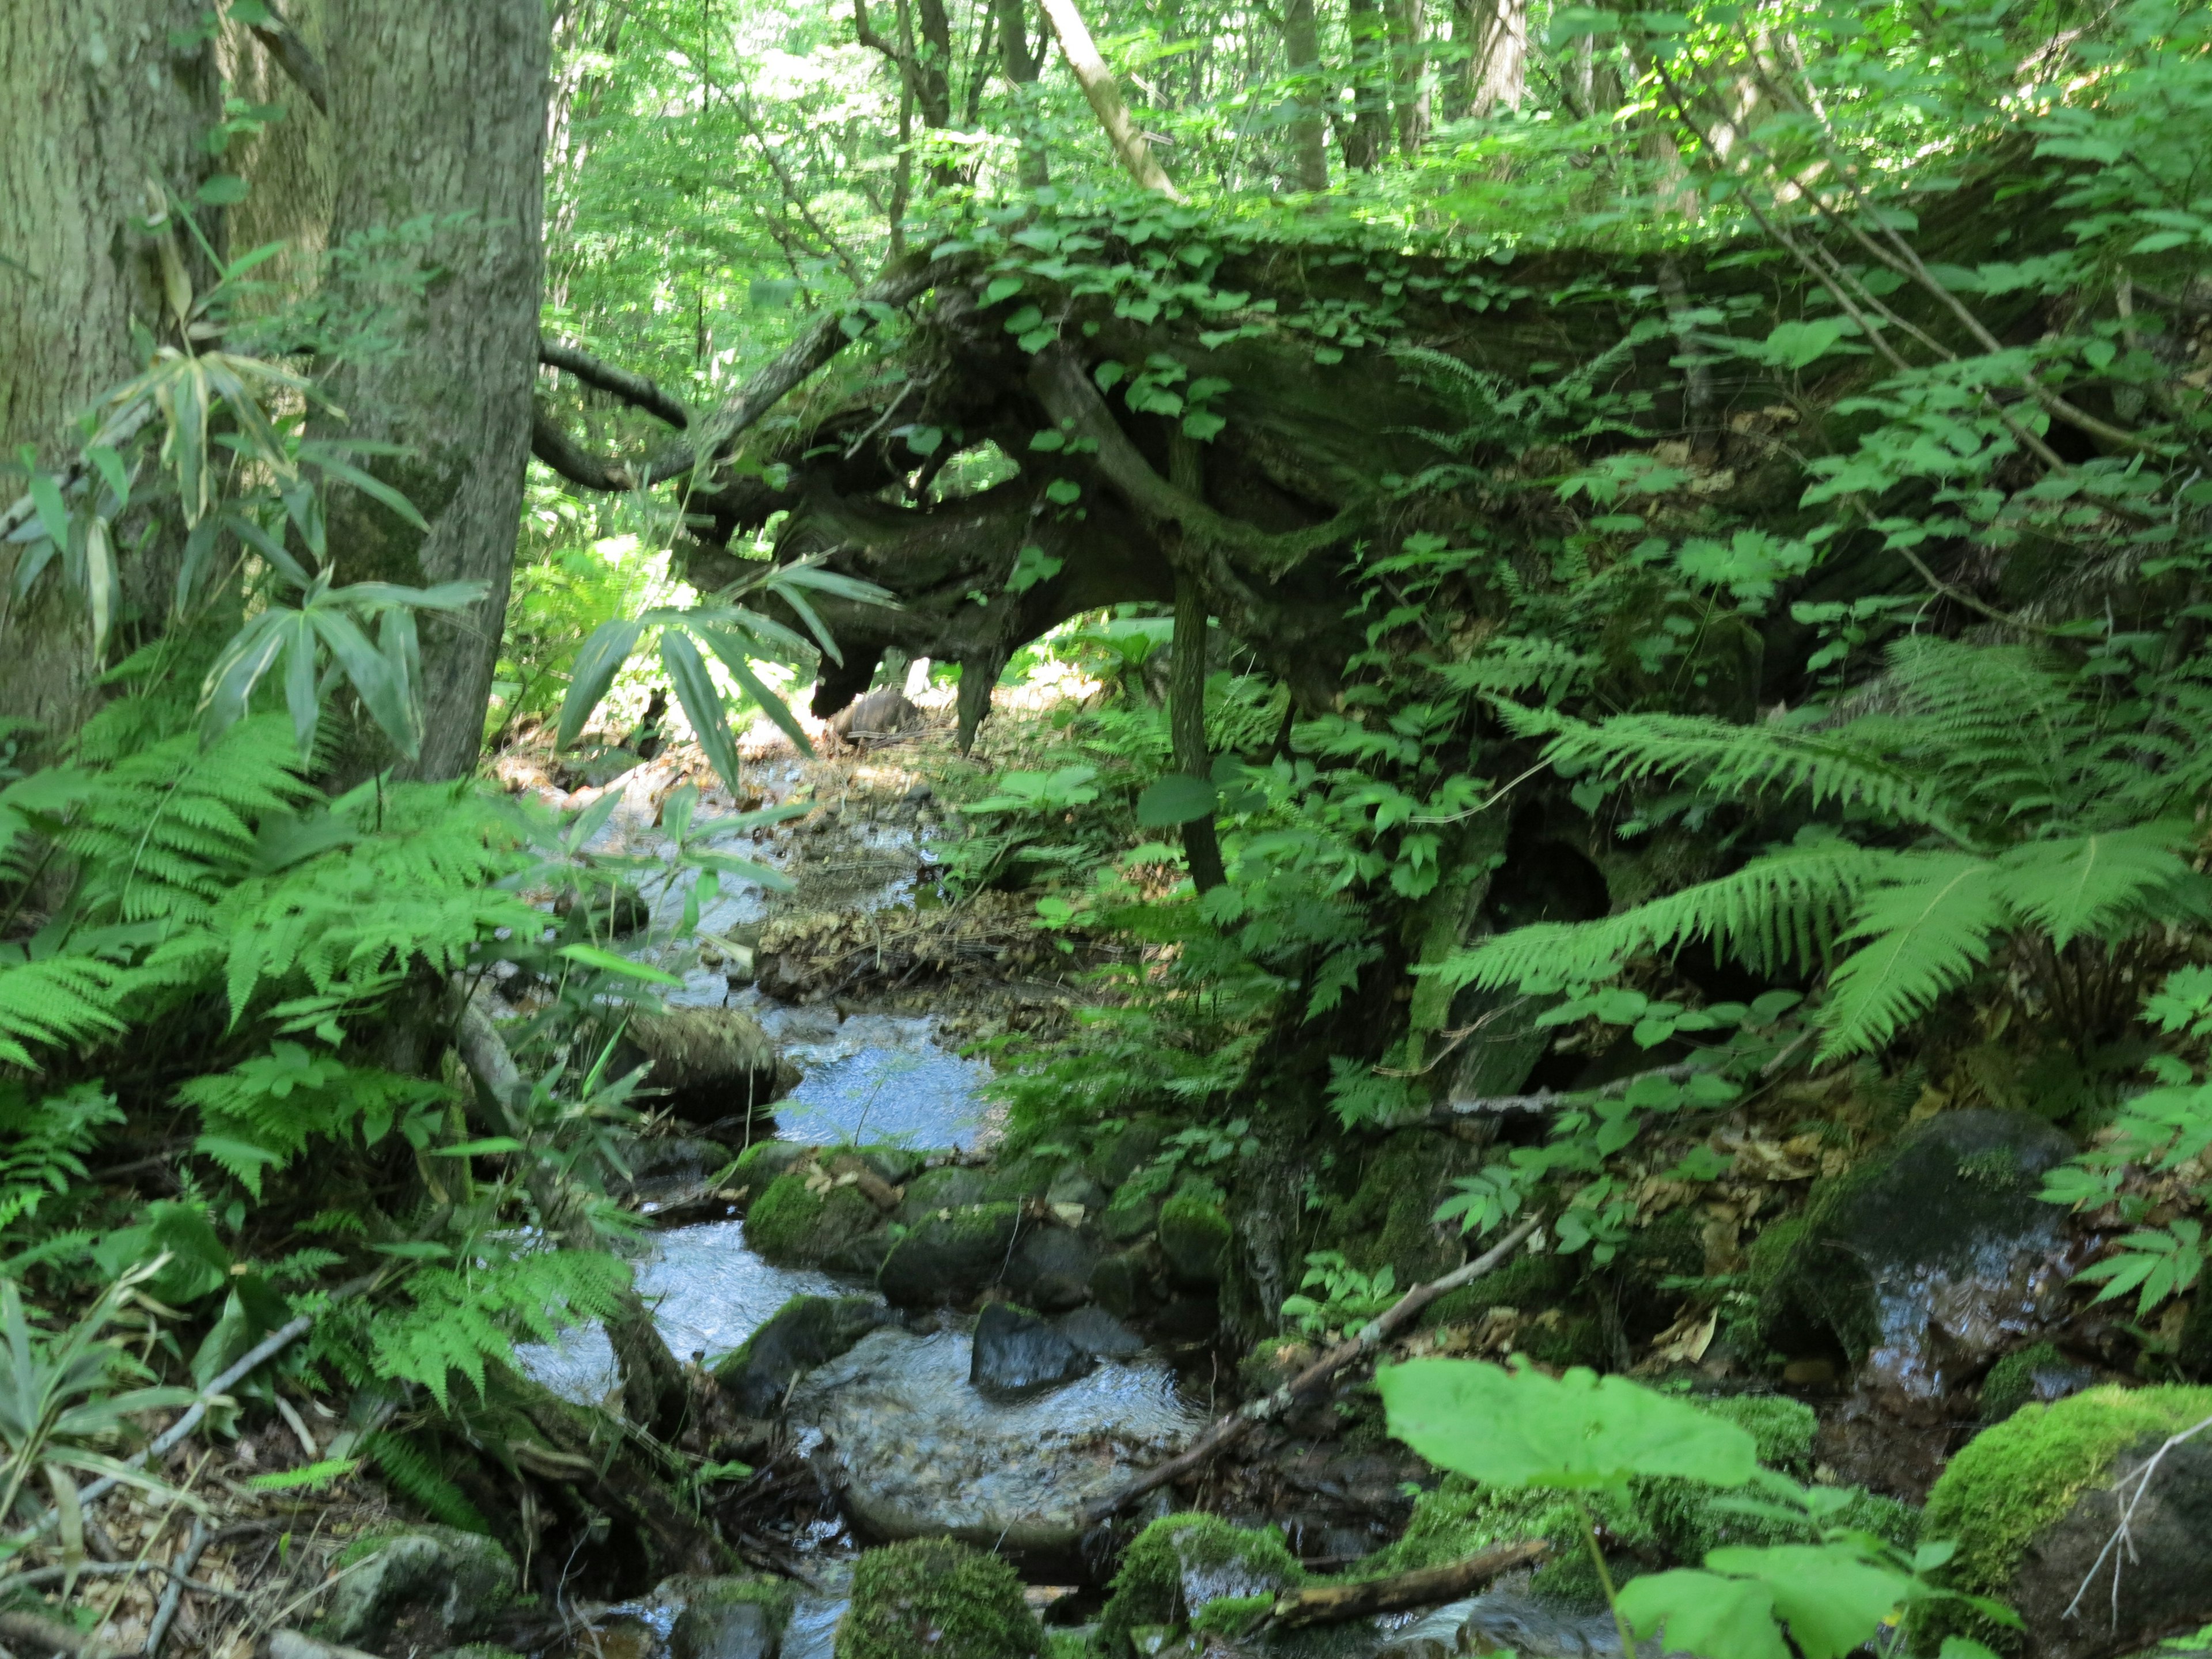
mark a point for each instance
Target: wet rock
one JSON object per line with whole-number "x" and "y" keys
{"x": 1017, "y": 1355}
{"x": 2041, "y": 1374}
{"x": 1127, "y": 1150}
{"x": 1130, "y": 1216}
{"x": 804, "y": 1219}
{"x": 1504, "y": 1622}
{"x": 805, "y": 1332}
{"x": 1927, "y": 1259}
{"x": 1052, "y": 1267}
{"x": 1195, "y": 1238}
{"x": 931, "y": 1598}
{"x": 427, "y": 1584}
{"x": 1099, "y": 1334}
{"x": 1121, "y": 1283}
{"x": 881, "y": 714}
{"x": 863, "y": 1257}
{"x": 1178, "y": 1564}
{"x": 920, "y": 1453}
{"x": 716, "y": 1062}
{"x": 948, "y": 1186}
{"x": 663, "y": 1168}
{"x": 2032, "y": 1504}
{"x": 1074, "y": 1185}
{"x": 950, "y": 1257}
{"x": 739, "y": 1617}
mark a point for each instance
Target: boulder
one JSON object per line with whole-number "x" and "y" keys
{"x": 2041, "y": 1373}
{"x": 716, "y": 1063}
{"x": 2032, "y": 1503}
{"x": 1121, "y": 1283}
{"x": 1180, "y": 1563}
{"x": 1126, "y": 1150}
{"x": 1195, "y": 1236}
{"x": 426, "y": 1585}
{"x": 738, "y": 1617}
{"x": 931, "y": 1598}
{"x": 1052, "y": 1267}
{"x": 1074, "y": 1185}
{"x": 948, "y": 1186}
{"x": 804, "y": 1219}
{"x": 1017, "y": 1355}
{"x": 1130, "y": 1216}
{"x": 951, "y": 1255}
{"x": 1927, "y": 1259}
{"x": 881, "y": 714}
{"x": 805, "y": 1332}
{"x": 1099, "y": 1334}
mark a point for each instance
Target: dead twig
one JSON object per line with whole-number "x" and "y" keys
{"x": 1429, "y": 1587}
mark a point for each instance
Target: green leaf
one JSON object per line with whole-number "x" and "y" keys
{"x": 2094, "y": 883}
{"x": 491, "y": 1146}
{"x": 1523, "y": 1428}
{"x": 1927, "y": 936}
{"x": 702, "y": 703}
{"x": 221, "y": 190}
{"x": 1829, "y": 1597}
{"x": 731, "y": 650}
{"x": 1177, "y": 799}
{"x": 381, "y": 689}
{"x": 345, "y": 472}
{"x": 1797, "y": 345}
{"x": 1701, "y": 1613}
{"x": 53, "y": 511}
{"x": 1001, "y": 287}
{"x": 591, "y": 956}
{"x": 597, "y": 664}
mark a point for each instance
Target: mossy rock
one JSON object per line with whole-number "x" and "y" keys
{"x": 1388, "y": 1219}
{"x": 2030, "y": 1505}
{"x": 1949, "y": 1200}
{"x": 793, "y": 1225}
{"x": 1458, "y": 1518}
{"x": 716, "y": 1062}
{"x": 2192, "y": 1354}
{"x": 737, "y": 1617}
{"x": 805, "y": 1332}
{"x": 1527, "y": 1283}
{"x": 1182, "y": 1563}
{"x": 760, "y": 1163}
{"x": 950, "y": 1257}
{"x": 1119, "y": 1283}
{"x": 931, "y": 1598}
{"x": 1575, "y": 1339}
{"x": 1195, "y": 1238}
{"x": 426, "y": 1580}
{"x": 2039, "y": 1373}
{"x": 1130, "y": 1216}
{"x": 948, "y": 1186}
{"x": 1122, "y": 1153}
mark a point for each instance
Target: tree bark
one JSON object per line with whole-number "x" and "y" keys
{"x": 1096, "y": 81}
{"x": 1309, "y": 130}
{"x": 1369, "y": 137}
{"x": 1495, "y": 36}
{"x": 1187, "y": 725}
{"x": 101, "y": 104}
{"x": 1023, "y": 66}
{"x": 1409, "y": 73}
{"x": 441, "y": 115}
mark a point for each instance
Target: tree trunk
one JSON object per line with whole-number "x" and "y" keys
{"x": 1187, "y": 726}
{"x": 1495, "y": 36}
{"x": 1096, "y": 81}
{"x": 1409, "y": 73}
{"x": 441, "y": 112}
{"x": 1369, "y": 135}
{"x": 101, "y": 103}
{"x": 1023, "y": 67}
{"x": 1309, "y": 130}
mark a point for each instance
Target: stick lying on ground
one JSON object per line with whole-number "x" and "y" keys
{"x": 1430, "y": 1587}
{"x": 1227, "y": 1431}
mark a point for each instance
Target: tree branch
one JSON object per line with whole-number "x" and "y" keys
{"x": 292, "y": 55}
{"x": 1130, "y": 148}
{"x": 632, "y": 388}
{"x": 1427, "y": 1587}
{"x": 550, "y": 445}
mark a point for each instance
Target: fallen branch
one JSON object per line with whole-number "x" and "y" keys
{"x": 1546, "y": 1100}
{"x": 45, "y": 1635}
{"x": 1227, "y": 1431}
{"x": 179, "y": 1580}
{"x": 1430, "y": 1586}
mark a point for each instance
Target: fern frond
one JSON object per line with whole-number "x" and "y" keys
{"x": 1784, "y": 908}
{"x": 2101, "y": 883}
{"x": 58, "y": 1000}
{"x": 43, "y": 1143}
{"x": 466, "y": 1318}
{"x": 1927, "y": 933}
{"x": 1720, "y": 759}
{"x": 414, "y": 1474}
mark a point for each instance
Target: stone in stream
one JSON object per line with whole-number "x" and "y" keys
{"x": 931, "y": 1598}
{"x": 805, "y": 1332}
{"x": 717, "y": 1063}
{"x": 1180, "y": 1563}
{"x": 2032, "y": 1504}
{"x": 1099, "y": 1334}
{"x": 1052, "y": 1267}
{"x": 738, "y": 1617}
{"x": 948, "y": 1186}
{"x": 951, "y": 1255}
{"x": 1927, "y": 1258}
{"x": 804, "y": 1219}
{"x": 425, "y": 1584}
{"x": 1017, "y": 1354}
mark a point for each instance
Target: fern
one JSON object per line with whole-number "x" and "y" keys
{"x": 43, "y": 1143}
{"x": 56, "y": 1002}
{"x": 466, "y": 1318}
{"x": 262, "y": 1113}
{"x": 414, "y": 1473}
{"x": 1928, "y": 934}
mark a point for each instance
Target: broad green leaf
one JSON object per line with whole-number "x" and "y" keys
{"x": 245, "y": 659}
{"x": 1705, "y": 1614}
{"x": 487, "y": 1147}
{"x": 1522, "y": 1428}
{"x": 591, "y": 956}
{"x": 596, "y": 663}
{"x": 1798, "y": 345}
{"x": 731, "y": 651}
{"x": 346, "y": 472}
{"x": 53, "y": 511}
{"x": 1177, "y": 799}
{"x": 1830, "y": 1599}
{"x": 702, "y": 703}
{"x": 380, "y": 688}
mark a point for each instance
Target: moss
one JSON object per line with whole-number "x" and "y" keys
{"x": 1529, "y": 1283}
{"x": 1782, "y": 1427}
{"x": 2017, "y": 1478}
{"x": 1195, "y": 1236}
{"x": 1388, "y": 1219}
{"x": 1576, "y": 1340}
{"x": 2038, "y": 1373}
{"x": 930, "y": 1598}
{"x": 1149, "y": 1589}
{"x": 792, "y": 1224}
{"x": 1232, "y": 1616}
{"x": 1458, "y": 1518}
{"x": 1068, "y": 1644}
{"x": 764, "y": 1160}
{"x": 728, "y": 1614}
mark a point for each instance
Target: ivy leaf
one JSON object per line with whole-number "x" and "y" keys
{"x": 1579, "y": 1431}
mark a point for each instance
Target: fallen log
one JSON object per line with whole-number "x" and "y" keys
{"x": 1229, "y": 1429}
{"x": 1429, "y": 1587}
